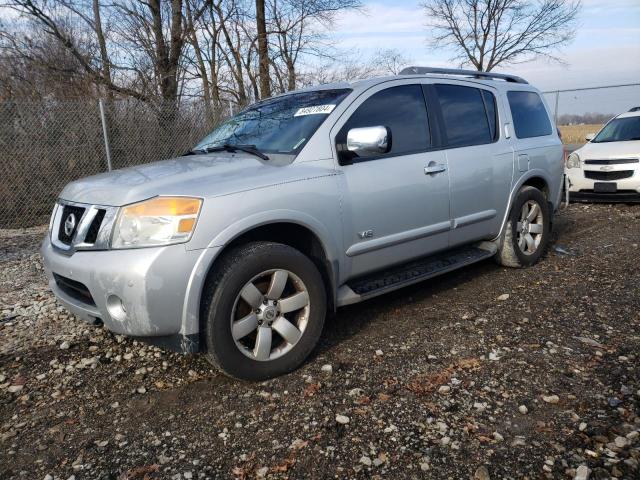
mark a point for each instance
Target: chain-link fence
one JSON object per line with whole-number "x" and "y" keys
{"x": 581, "y": 111}
{"x": 45, "y": 145}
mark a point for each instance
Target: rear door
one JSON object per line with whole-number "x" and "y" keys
{"x": 480, "y": 161}
{"x": 394, "y": 209}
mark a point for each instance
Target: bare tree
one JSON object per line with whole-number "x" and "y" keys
{"x": 102, "y": 42}
{"x": 263, "y": 50}
{"x": 142, "y": 59}
{"x": 389, "y": 61}
{"x": 489, "y": 33}
{"x": 23, "y": 75}
{"x": 297, "y": 29}
{"x": 346, "y": 68}
{"x": 162, "y": 51}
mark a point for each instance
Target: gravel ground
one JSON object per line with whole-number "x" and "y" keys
{"x": 483, "y": 373}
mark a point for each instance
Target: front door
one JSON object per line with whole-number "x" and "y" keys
{"x": 396, "y": 205}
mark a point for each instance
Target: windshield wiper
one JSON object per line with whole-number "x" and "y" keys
{"x": 228, "y": 147}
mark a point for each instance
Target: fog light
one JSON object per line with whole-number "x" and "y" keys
{"x": 116, "y": 308}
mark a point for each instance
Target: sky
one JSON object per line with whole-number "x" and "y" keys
{"x": 605, "y": 51}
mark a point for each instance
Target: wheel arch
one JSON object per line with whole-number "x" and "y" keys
{"x": 307, "y": 236}
{"x": 533, "y": 178}
{"x": 537, "y": 182}
{"x": 298, "y": 235}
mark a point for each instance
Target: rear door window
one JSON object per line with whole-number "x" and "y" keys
{"x": 530, "y": 118}
{"x": 469, "y": 119}
{"x": 402, "y": 109}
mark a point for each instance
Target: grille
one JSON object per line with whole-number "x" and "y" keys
{"x": 91, "y": 231}
{"x": 612, "y": 161}
{"x": 74, "y": 289}
{"x": 94, "y": 228}
{"x": 619, "y": 175}
{"x": 68, "y": 210}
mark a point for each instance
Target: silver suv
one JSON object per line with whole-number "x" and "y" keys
{"x": 306, "y": 202}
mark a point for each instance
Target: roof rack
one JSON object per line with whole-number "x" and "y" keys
{"x": 466, "y": 73}
{"x": 634, "y": 109}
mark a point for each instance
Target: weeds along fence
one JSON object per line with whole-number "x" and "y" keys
{"x": 45, "y": 145}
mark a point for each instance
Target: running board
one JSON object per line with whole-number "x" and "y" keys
{"x": 413, "y": 272}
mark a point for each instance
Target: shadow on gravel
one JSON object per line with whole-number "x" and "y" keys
{"x": 351, "y": 320}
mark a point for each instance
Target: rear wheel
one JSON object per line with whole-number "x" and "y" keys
{"x": 527, "y": 231}
{"x": 265, "y": 311}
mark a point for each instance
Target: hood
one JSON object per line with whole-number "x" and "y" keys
{"x": 195, "y": 175}
{"x": 609, "y": 150}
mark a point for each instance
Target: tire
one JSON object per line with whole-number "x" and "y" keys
{"x": 245, "y": 337}
{"x": 536, "y": 230}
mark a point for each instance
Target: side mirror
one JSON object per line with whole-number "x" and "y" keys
{"x": 369, "y": 141}
{"x": 590, "y": 137}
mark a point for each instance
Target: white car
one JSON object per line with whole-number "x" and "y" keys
{"x": 607, "y": 168}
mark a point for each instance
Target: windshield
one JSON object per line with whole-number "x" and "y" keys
{"x": 279, "y": 125}
{"x": 619, "y": 130}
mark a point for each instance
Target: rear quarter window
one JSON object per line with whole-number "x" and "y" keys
{"x": 530, "y": 118}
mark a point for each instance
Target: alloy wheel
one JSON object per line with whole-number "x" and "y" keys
{"x": 530, "y": 227}
{"x": 270, "y": 315}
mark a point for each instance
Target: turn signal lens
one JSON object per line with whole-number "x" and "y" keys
{"x": 172, "y": 206}
{"x": 186, "y": 225}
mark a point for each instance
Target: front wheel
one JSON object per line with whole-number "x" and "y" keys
{"x": 264, "y": 311}
{"x": 527, "y": 231}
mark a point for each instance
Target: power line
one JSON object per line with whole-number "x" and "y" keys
{"x": 593, "y": 88}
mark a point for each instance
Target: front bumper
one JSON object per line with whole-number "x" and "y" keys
{"x": 581, "y": 189}
{"x": 152, "y": 285}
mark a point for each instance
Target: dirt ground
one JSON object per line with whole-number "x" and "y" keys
{"x": 445, "y": 379}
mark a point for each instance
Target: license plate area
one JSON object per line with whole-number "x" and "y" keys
{"x": 605, "y": 187}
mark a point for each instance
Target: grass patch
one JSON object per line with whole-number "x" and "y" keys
{"x": 576, "y": 133}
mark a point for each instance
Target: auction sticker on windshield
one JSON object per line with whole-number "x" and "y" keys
{"x": 317, "y": 109}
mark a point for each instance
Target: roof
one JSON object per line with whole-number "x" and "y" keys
{"x": 496, "y": 80}
{"x": 466, "y": 73}
{"x": 629, "y": 114}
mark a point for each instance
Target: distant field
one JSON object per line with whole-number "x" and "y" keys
{"x": 576, "y": 133}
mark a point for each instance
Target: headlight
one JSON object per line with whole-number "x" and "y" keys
{"x": 159, "y": 221}
{"x": 573, "y": 161}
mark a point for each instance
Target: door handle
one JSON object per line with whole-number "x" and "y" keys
{"x": 434, "y": 168}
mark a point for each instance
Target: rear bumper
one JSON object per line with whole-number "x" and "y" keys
{"x": 159, "y": 289}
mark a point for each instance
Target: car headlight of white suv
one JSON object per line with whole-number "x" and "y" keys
{"x": 155, "y": 222}
{"x": 573, "y": 161}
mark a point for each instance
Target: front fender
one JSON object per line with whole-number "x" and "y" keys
{"x": 208, "y": 256}
{"x": 278, "y": 216}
